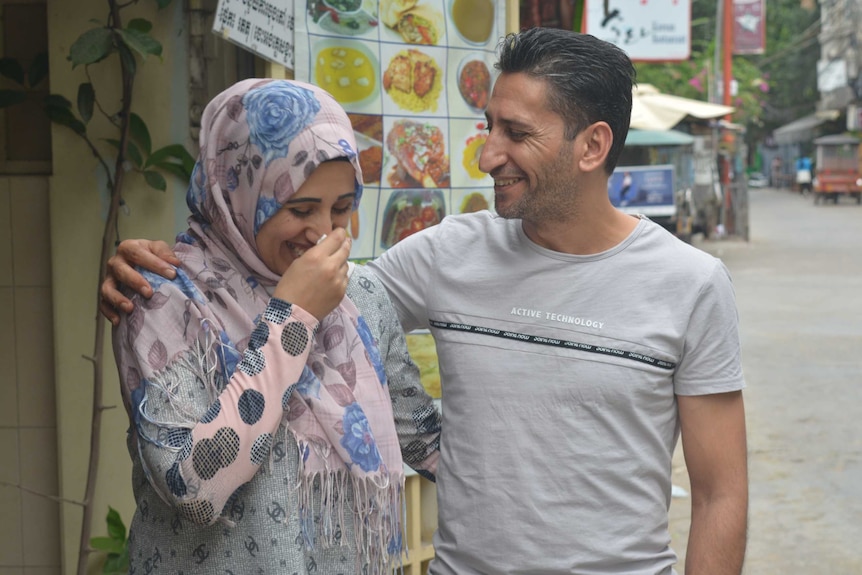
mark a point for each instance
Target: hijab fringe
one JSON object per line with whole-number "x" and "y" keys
{"x": 378, "y": 506}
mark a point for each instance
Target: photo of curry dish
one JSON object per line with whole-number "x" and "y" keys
{"x": 420, "y": 152}
{"x": 474, "y": 83}
{"x": 346, "y": 72}
{"x": 414, "y": 81}
{"x": 474, "y": 202}
{"x": 474, "y": 19}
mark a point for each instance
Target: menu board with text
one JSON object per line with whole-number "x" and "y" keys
{"x": 415, "y": 77}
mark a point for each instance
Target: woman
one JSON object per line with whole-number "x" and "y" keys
{"x": 262, "y": 433}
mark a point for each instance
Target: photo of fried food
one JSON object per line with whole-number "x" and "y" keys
{"x": 369, "y": 124}
{"x": 371, "y": 162}
{"x": 421, "y": 25}
{"x": 414, "y": 81}
{"x": 420, "y": 152}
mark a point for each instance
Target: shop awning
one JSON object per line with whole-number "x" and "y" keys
{"x": 801, "y": 130}
{"x": 658, "y": 138}
{"x": 652, "y": 110}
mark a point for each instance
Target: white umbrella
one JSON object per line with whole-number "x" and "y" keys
{"x": 652, "y": 110}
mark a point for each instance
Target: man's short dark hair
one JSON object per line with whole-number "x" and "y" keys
{"x": 589, "y": 80}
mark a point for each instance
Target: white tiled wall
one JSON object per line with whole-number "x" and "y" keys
{"x": 29, "y": 529}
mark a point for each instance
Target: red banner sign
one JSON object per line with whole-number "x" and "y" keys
{"x": 749, "y": 26}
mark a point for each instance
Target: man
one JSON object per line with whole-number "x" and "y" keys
{"x": 564, "y": 395}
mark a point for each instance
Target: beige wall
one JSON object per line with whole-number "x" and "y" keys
{"x": 77, "y": 204}
{"x": 29, "y": 532}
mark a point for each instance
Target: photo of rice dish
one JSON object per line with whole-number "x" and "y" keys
{"x": 414, "y": 81}
{"x": 472, "y": 151}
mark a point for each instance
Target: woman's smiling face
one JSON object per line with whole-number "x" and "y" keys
{"x": 321, "y": 204}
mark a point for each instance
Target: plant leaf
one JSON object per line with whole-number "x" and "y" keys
{"x": 177, "y": 170}
{"x": 134, "y": 154}
{"x": 64, "y": 116}
{"x": 143, "y": 44}
{"x": 140, "y": 25}
{"x": 11, "y": 97}
{"x": 12, "y": 69}
{"x": 116, "y": 527}
{"x": 128, "y": 58}
{"x": 140, "y": 133}
{"x": 155, "y": 180}
{"x": 86, "y": 98}
{"x": 113, "y": 142}
{"x": 163, "y": 3}
{"x": 91, "y": 46}
{"x": 107, "y": 545}
{"x": 38, "y": 69}
{"x": 58, "y": 101}
{"x": 116, "y": 565}
{"x": 173, "y": 151}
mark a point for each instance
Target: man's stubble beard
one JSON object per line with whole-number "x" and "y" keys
{"x": 553, "y": 200}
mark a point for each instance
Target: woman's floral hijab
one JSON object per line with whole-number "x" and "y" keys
{"x": 259, "y": 141}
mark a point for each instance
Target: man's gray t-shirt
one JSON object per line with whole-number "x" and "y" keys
{"x": 559, "y": 375}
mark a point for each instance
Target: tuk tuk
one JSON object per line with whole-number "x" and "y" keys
{"x": 836, "y": 170}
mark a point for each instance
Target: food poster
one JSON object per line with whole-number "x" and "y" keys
{"x": 415, "y": 77}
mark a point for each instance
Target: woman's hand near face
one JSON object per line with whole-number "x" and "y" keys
{"x": 317, "y": 281}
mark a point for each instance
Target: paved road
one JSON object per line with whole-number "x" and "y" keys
{"x": 798, "y": 284}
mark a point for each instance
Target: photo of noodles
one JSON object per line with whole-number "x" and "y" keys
{"x": 419, "y": 150}
{"x": 414, "y": 81}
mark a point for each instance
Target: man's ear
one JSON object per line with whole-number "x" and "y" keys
{"x": 596, "y": 140}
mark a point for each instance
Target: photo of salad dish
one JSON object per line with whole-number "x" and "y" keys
{"x": 348, "y": 17}
{"x": 420, "y": 156}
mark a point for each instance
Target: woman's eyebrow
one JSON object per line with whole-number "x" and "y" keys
{"x": 317, "y": 200}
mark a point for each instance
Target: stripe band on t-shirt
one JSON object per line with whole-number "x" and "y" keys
{"x": 527, "y": 338}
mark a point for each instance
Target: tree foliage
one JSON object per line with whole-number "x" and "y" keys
{"x": 773, "y": 88}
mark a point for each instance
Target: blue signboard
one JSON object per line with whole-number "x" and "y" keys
{"x": 647, "y": 190}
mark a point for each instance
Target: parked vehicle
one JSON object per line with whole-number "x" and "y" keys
{"x": 654, "y": 176}
{"x": 757, "y": 180}
{"x": 836, "y": 170}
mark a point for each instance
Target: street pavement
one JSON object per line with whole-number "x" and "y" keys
{"x": 798, "y": 284}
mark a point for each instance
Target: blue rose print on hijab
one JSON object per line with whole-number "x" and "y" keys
{"x": 358, "y": 440}
{"x": 276, "y": 113}
{"x": 308, "y": 384}
{"x": 371, "y": 347}
{"x": 197, "y": 192}
{"x": 266, "y": 208}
